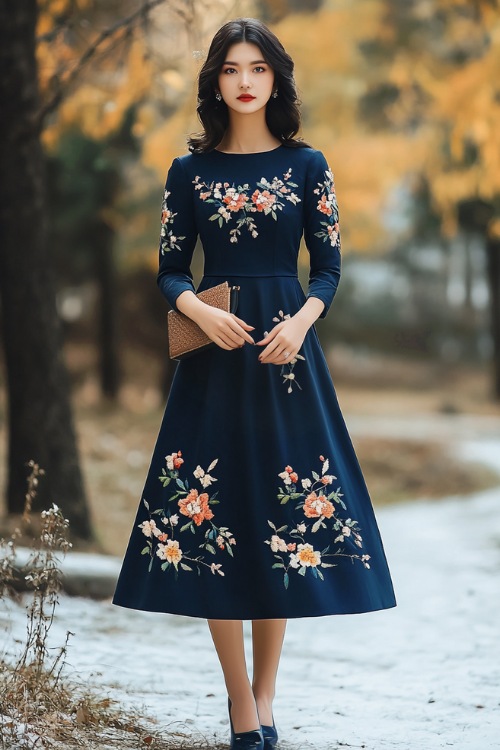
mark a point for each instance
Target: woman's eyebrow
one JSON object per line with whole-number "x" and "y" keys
{"x": 254, "y": 62}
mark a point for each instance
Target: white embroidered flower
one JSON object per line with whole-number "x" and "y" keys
{"x": 285, "y": 476}
{"x": 174, "y": 520}
{"x": 149, "y": 528}
{"x": 278, "y": 544}
{"x": 216, "y": 569}
{"x": 306, "y": 557}
{"x": 306, "y": 483}
{"x": 301, "y": 528}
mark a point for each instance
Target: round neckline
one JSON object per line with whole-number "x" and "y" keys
{"x": 249, "y": 153}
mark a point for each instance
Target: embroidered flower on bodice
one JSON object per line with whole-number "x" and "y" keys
{"x": 238, "y": 203}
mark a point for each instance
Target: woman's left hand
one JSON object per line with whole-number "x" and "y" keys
{"x": 283, "y": 342}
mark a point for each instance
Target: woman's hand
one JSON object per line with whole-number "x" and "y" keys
{"x": 284, "y": 341}
{"x": 225, "y": 329}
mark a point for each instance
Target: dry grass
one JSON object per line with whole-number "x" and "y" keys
{"x": 40, "y": 706}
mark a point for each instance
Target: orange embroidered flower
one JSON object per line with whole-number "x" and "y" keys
{"x": 317, "y": 505}
{"x": 294, "y": 477}
{"x": 291, "y": 546}
{"x": 196, "y": 506}
{"x": 165, "y": 215}
{"x": 263, "y": 199}
{"x": 324, "y": 205}
{"x": 235, "y": 201}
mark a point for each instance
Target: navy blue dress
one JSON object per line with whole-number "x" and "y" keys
{"x": 254, "y": 504}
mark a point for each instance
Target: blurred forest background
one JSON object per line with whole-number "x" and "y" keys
{"x": 98, "y": 97}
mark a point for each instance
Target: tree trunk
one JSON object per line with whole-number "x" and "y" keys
{"x": 40, "y": 418}
{"x": 493, "y": 251}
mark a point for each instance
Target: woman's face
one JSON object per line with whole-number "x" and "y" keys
{"x": 244, "y": 71}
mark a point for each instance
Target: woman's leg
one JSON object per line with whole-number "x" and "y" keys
{"x": 228, "y": 639}
{"x": 267, "y": 639}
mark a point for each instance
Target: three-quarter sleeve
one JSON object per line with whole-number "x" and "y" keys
{"x": 321, "y": 231}
{"x": 178, "y": 235}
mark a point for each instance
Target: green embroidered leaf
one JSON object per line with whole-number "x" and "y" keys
{"x": 192, "y": 529}
{"x": 214, "y": 217}
{"x": 165, "y": 565}
{"x": 164, "y": 480}
{"x": 295, "y": 495}
{"x": 213, "y": 502}
{"x": 282, "y": 528}
{"x": 209, "y": 548}
{"x": 320, "y": 574}
{"x": 329, "y": 565}
{"x": 157, "y": 512}
{"x": 145, "y": 503}
{"x": 174, "y": 497}
{"x": 314, "y": 572}
{"x": 271, "y": 524}
{"x": 228, "y": 547}
{"x": 186, "y": 526}
{"x": 302, "y": 571}
{"x": 185, "y": 567}
{"x": 145, "y": 551}
{"x": 150, "y": 565}
{"x": 286, "y": 580}
{"x": 316, "y": 526}
{"x": 180, "y": 483}
{"x": 316, "y": 475}
{"x": 285, "y": 499}
{"x": 278, "y": 565}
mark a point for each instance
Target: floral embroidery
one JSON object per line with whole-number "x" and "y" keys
{"x": 327, "y": 205}
{"x": 168, "y": 240}
{"x": 196, "y": 507}
{"x": 286, "y": 371}
{"x": 293, "y": 546}
{"x": 240, "y": 202}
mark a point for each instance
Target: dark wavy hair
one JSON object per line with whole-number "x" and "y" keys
{"x": 282, "y": 112}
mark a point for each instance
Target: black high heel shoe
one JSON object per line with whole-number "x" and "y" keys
{"x": 253, "y": 740}
{"x": 270, "y": 735}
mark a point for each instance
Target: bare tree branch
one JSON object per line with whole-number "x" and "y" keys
{"x": 125, "y": 25}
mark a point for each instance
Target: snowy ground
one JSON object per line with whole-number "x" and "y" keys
{"x": 423, "y": 675}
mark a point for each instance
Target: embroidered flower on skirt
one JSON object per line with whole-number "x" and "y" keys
{"x": 161, "y": 528}
{"x": 316, "y": 507}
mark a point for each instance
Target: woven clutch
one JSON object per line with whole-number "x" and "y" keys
{"x": 185, "y": 337}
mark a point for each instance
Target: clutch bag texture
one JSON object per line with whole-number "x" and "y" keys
{"x": 185, "y": 337}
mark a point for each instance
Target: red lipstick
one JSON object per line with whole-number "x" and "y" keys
{"x": 246, "y": 97}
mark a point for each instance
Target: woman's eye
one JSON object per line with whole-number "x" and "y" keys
{"x": 257, "y": 67}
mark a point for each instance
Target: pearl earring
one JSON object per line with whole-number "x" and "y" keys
{"x": 275, "y": 94}
{"x": 218, "y": 95}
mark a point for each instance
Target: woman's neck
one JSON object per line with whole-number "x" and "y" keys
{"x": 244, "y": 135}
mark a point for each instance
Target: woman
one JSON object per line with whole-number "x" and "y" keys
{"x": 254, "y": 507}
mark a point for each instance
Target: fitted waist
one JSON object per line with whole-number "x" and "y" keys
{"x": 250, "y": 275}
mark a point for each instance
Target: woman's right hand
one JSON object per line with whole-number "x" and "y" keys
{"x": 225, "y": 329}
